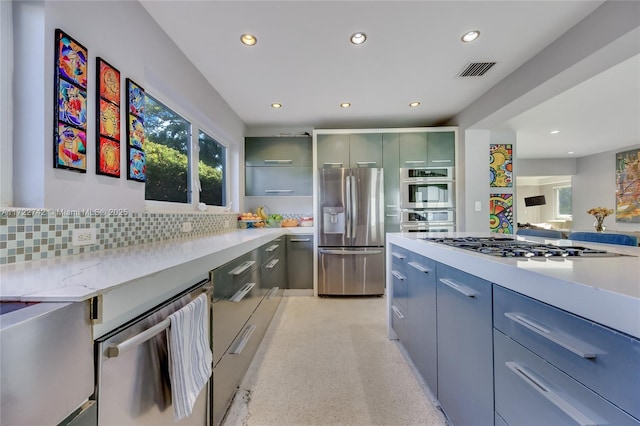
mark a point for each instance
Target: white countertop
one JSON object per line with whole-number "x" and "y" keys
{"x": 605, "y": 290}
{"x": 80, "y": 277}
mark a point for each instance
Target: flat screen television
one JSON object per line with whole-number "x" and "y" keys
{"x": 537, "y": 200}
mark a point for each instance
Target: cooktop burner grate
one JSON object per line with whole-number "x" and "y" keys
{"x": 509, "y": 247}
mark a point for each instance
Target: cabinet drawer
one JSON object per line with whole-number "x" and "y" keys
{"x": 530, "y": 391}
{"x": 279, "y": 181}
{"x": 300, "y": 261}
{"x": 399, "y": 322}
{"x": 400, "y": 288}
{"x": 596, "y": 356}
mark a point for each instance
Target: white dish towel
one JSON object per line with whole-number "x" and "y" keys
{"x": 190, "y": 356}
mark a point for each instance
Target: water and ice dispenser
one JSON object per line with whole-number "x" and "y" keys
{"x": 333, "y": 220}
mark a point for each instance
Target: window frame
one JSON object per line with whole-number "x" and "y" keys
{"x": 194, "y": 158}
{"x": 556, "y": 202}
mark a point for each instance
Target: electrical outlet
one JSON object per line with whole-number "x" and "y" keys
{"x": 186, "y": 227}
{"x": 83, "y": 237}
{"x": 478, "y": 206}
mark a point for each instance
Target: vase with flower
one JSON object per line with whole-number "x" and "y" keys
{"x": 599, "y": 213}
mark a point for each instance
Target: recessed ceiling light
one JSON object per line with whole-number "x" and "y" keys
{"x": 414, "y": 104}
{"x": 276, "y": 105}
{"x": 358, "y": 38}
{"x": 570, "y": 152}
{"x": 470, "y": 36}
{"x": 345, "y": 105}
{"x": 554, "y": 132}
{"x": 248, "y": 39}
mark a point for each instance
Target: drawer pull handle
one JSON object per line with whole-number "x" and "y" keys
{"x": 440, "y": 161}
{"x": 571, "y": 411}
{"x": 332, "y": 164}
{"x": 415, "y": 162}
{"x": 458, "y": 287}
{"x": 240, "y": 294}
{"x": 246, "y": 335}
{"x": 398, "y": 275}
{"x": 272, "y": 248}
{"x": 240, "y": 269}
{"x": 278, "y": 191}
{"x": 548, "y": 334}
{"x": 273, "y": 263}
{"x": 419, "y": 267}
{"x": 272, "y": 293}
{"x": 300, "y": 240}
{"x": 397, "y": 255}
{"x": 278, "y": 161}
{"x": 392, "y": 214}
{"x": 364, "y": 163}
{"x": 397, "y": 312}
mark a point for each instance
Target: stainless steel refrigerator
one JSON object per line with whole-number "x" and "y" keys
{"x": 351, "y": 232}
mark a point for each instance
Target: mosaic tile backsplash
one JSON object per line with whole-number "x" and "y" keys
{"x": 33, "y": 234}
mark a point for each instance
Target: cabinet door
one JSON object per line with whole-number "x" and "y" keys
{"x": 278, "y": 151}
{"x": 422, "y": 345}
{"x": 365, "y": 150}
{"x": 465, "y": 349}
{"x": 333, "y": 151}
{"x": 391, "y": 163}
{"x": 441, "y": 149}
{"x": 300, "y": 261}
{"x": 279, "y": 181}
{"x": 413, "y": 149}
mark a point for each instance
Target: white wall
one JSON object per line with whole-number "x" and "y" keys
{"x": 595, "y": 186}
{"x": 124, "y": 34}
{"x": 605, "y": 38}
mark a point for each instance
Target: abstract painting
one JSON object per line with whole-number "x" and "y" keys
{"x": 109, "y": 157}
{"x": 500, "y": 165}
{"x": 135, "y": 132}
{"x": 108, "y": 119}
{"x": 628, "y": 186}
{"x": 137, "y": 165}
{"x": 501, "y": 213}
{"x": 70, "y": 104}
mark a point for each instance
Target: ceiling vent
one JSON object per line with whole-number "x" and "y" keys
{"x": 476, "y": 69}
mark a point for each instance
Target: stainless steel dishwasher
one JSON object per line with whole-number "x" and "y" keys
{"x": 132, "y": 370}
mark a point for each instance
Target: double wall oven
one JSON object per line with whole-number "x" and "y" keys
{"x": 427, "y": 199}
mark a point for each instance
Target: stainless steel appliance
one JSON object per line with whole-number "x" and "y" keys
{"x": 427, "y": 188}
{"x": 442, "y": 220}
{"x": 351, "y": 232}
{"x": 427, "y": 227}
{"x": 510, "y": 247}
{"x": 132, "y": 370}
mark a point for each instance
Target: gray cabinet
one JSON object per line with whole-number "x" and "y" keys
{"x": 278, "y": 151}
{"x": 349, "y": 150}
{"x": 300, "y": 261}
{"x": 278, "y": 166}
{"x": 428, "y": 149}
{"x": 441, "y": 149}
{"x": 399, "y": 294}
{"x": 586, "y": 366}
{"x": 465, "y": 349}
{"x": 391, "y": 162}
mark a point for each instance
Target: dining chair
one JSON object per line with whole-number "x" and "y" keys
{"x": 603, "y": 237}
{"x": 545, "y": 233}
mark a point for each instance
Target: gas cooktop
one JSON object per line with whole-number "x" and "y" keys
{"x": 509, "y": 247}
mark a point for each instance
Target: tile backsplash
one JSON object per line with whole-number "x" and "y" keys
{"x": 31, "y": 234}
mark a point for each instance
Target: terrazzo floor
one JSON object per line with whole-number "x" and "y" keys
{"x": 328, "y": 361}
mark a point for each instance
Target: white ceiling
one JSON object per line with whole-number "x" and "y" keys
{"x": 303, "y": 60}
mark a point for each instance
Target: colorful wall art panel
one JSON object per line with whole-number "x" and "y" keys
{"x": 628, "y": 186}
{"x": 70, "y": 104}
{"x": 500, "y": 165}
{"x": 137, "y": 165}
{"x": 501, "y": 213}
{"x": 108, "y": 119}
{"x": 135, "y": 132}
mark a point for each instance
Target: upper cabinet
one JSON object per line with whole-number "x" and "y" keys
{"x": 278, "y": 166}
{"x": 344, "y": 150}
{"x": 429, "y": 149}
{"x": 278, "y": 151}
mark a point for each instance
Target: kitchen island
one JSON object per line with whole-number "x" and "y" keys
{"x": 519, "y": 340}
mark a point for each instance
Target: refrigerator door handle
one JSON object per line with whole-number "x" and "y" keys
{"x": 354, "y": 206}
{"x": 348, "y": 203}
{"x": 359, "y": 252}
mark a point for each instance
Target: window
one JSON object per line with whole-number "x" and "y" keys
{"x": 562, "y": 201}
{"x": 168, "y": 138}
{"x": 211, "y": 170}
{"x": 172, "y": 167}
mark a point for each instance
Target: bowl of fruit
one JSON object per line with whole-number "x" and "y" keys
{"x": 250, "y": 220}
{"x": 274, "y": 220}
